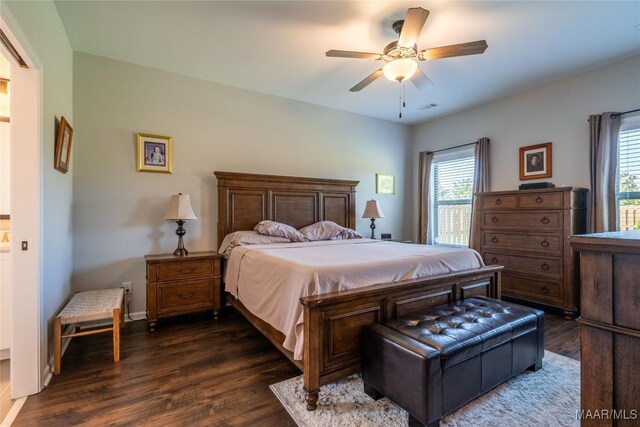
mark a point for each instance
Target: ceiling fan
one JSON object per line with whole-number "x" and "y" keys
{"x": 400, "y": 56}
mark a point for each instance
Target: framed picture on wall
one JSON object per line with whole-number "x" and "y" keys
{"x": 535, "y": 161}
{"x": 155, "y": 153}
{"x": 62, "y": 151}
{"x": 385, "y": 184}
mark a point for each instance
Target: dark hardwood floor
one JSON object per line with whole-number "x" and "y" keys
{"x": 192, "y": 371}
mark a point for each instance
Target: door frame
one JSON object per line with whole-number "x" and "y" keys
{"x": 26, "y": 213}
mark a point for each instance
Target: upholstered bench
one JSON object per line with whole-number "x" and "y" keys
{"x": 85, "y": 307}
{"x": 434, "y": 361}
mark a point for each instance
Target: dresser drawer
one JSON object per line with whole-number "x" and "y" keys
{"x": 549, "y": 244}
{"x": 185, "y": 296}
{"x": 548, "y": 267}
{"x": 540, "y": 200}
{"x": 498, "y": 202}
{"x": 523, "y": 221}
{"x": 186, "y": 270}
{"x": 535, "y": 290}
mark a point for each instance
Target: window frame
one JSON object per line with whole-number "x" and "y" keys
{"x": 446, "y": 156}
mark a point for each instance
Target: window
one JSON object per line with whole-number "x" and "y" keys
{"x": 629, "y": 174}
{"x": 452, "y": 192}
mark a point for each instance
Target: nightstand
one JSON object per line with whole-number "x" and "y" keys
{"x": 179, "y": 285}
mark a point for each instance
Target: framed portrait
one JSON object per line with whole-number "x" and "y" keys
{"x": 155, "y": 153}
{"x": 385, "y": 184}
{"x": 62, "y": 151}
{"x": 535, "y": 161}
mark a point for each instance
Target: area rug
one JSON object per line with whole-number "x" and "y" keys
{"x": 549, "y": 397}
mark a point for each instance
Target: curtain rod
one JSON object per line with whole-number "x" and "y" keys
{"x": 624, "y": 113}
{"x": 451, "y": 148}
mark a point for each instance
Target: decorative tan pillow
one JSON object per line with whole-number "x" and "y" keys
{"x": 242, "y": 238}
{"x": 278, "y": 229}
{"x": 323, "y": 230}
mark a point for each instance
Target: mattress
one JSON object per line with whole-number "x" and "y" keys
{"x": 269, "y": 280}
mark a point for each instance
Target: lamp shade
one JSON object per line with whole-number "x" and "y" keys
{"x": 180, "y": 208}
{"x": 372, "y": 210}
{"x": 399, "y": 70}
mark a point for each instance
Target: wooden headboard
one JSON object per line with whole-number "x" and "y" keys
{"x": 246, "y": 199}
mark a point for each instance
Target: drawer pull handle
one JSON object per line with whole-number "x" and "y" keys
{"x": 187, "y": 296}
{"x": 544, "y": 290}
{"x": 498, "y": 201}
{"x": 544, "y": 244}
{"x": 186, "y": 270}
{"x": 494, "y": 260}
{"x": 495, "y": 240}
{"x": 539, "y": 199}
{"x": 494, "y": 219}
{"x": 545, "y": 220}
{"x": 545, "y": 266}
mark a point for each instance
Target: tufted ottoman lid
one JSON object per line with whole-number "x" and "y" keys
{"x": 462, "y": 330}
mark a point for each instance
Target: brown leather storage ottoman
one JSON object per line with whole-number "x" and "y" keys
{"x": 434, "y": 361}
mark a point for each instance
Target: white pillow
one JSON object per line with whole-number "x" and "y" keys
{"x": 278, "y": 229}
{"x": 323, "y": 230}
{"x": 242, "y": 238}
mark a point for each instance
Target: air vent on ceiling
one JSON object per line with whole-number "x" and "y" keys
{"x": 427, "y": 106}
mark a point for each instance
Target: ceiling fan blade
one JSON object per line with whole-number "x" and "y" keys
{"x": 413, "y": 23}
{"x": 353, "y": 55}
{"x": 366, "y": 82}
{"x": 462, "y": 49}
{"x": 421, "y": 81}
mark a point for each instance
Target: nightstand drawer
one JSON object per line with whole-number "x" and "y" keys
{"x": 184, "y": 296}
{"x": 187, "y": 270}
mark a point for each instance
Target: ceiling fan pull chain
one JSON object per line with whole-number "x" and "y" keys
{"x": 404, "y": 96}
{"x": 400, "y": 105}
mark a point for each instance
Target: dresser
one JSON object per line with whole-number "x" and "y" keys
{"x": 178, "y": 285}
{"x": 528, "y": 232}
{"x": 609, "y": 327}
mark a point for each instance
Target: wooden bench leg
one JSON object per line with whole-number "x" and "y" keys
{"x": 116, "y": 334}
{"x": 57, "y": 345}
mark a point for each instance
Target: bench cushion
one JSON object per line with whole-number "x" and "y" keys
{"x": 91, "y": 305}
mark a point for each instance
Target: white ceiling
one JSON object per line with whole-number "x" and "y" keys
{"x": 278, "y": 47}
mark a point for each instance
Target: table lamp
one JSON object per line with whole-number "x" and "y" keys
{"x": 372, "y": 210}
{"x": 179, "y": 211}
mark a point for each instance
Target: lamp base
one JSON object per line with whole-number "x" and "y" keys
{"x": 180, "y": 250}
{"x": 373, "y": 228}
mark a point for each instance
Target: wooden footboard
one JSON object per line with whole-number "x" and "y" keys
{"x": 332, "y": 322}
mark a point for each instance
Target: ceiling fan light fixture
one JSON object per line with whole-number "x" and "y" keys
{"x": 400, "y": 70}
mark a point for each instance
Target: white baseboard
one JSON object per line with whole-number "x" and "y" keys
{"x": 13, "y": 412}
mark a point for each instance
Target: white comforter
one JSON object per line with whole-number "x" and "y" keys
{"x": 269, "y": 280}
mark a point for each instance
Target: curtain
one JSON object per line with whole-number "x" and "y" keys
{"x": 480, "y": 185}
{"x": 424, "y": 234}
{"x": 604, "y": 130}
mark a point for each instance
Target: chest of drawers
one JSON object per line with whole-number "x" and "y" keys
{"x": 179, "y": 285}
{"x": 527, "y": 232}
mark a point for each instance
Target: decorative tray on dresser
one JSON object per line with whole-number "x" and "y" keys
{"x": 528, "y": 233}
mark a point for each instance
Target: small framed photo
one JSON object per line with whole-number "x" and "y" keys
{"x": 155, "y": 153}
{"x": 62, "y": 151}
{"x": 385, "y": 184}
{"x": 535, "y": 161}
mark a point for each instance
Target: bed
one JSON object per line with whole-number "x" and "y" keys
{"x": 332, "y": 321}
